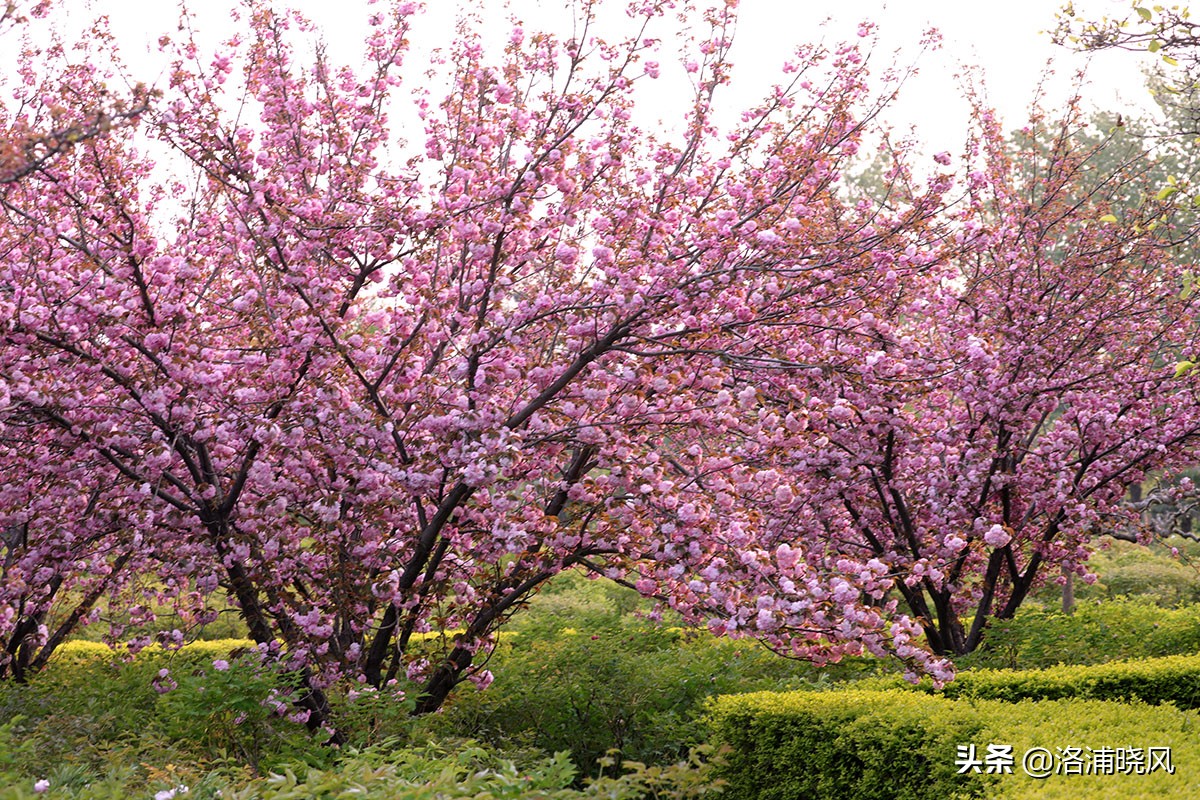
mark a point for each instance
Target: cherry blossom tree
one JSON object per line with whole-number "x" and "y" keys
{"x": 377, "y": 396}
{"x": 13, "y": 13}
{"x": 373, "y": 400}
{"x": 967, "y": 431}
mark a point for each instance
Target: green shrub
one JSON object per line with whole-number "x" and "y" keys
{"x": 369, "y": 717}
{"x": 583, "y": 670}
{"x": 95, "y": 709}
{"x": 233, "y": 706}
{"x": 1173, "y": 679}
{"x": 575, "y": 601}
{"x": 639, "y": 690}
{"x": 92, "y": 692}
{"x": 1098, "y": 632}
{"x": 15, "y": 751}
{"x": 844, "y": 744}
{"x": 860, "y": 745}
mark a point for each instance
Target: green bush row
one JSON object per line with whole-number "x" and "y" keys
{"x": 1172, "y": 679}
{"x": 896, "y": 745}
{"x": 841, "y": 745}
{"x": 1098, "y": 632}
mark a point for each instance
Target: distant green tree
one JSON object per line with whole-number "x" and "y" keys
{"x": 1168, "y": 31}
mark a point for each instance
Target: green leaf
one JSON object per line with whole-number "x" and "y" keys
{"x": 1170, "y": 61}
{"x": 1144, "y": 13}
{"x": 1183, "y": 368}
{"x": 1108, "y": 218}
{"x": 1154, "y": 46}
{"x": 1166, "y": 192}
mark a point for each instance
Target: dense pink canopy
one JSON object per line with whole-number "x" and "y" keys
{"x": 367, "y": 395}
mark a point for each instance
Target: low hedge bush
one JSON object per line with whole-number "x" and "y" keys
{"x": 1093, "y": 727}
{"x": 1098, "y": 632}
{"x": 877, "y": 745}
{"x": 1173, "y": 679}
{"x": 847, "y": 744}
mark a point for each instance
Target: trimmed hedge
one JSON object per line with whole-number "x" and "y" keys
{"x": 1091, "y": 725}
{"x": 864, "y": 745}
{"x": 1172, "y": 679}
{"x": 847, "y": 744}
{"x": 1098, "y": 632}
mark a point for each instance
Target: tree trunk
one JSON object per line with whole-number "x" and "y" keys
{"x": 1068, "y": 595}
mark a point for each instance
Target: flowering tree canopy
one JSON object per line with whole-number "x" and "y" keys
{"x": 369, "y": 394}
{"x": 33, "y": 139}
{"x": 966, "y": 427}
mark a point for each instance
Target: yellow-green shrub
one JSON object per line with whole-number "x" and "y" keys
{"x": 846, "y": 744}
{"x": 1093, "y": 724}
{"x": 859, "y": 745}
{"x": 1172, "y": 679}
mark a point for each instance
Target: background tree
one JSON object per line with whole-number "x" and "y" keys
{"x": 1168, "y": 31}
{"x": 950, "y": 439}
{"x": 1170, "y": 139}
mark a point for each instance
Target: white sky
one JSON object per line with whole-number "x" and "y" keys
{"x": 1005, "y": 39}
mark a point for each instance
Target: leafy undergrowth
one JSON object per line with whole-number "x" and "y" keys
{"x": 387, "y": 771}
{"x": 581, "y": 674}
{"x": 97, "y": 730}
{"x": 1098, "y": 632}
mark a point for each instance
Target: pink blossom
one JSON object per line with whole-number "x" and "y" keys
{"x": 997, "y": 536}
{"x": 954, "y": 543}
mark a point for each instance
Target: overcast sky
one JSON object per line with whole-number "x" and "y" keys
{"x": 1006, "y": 40}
